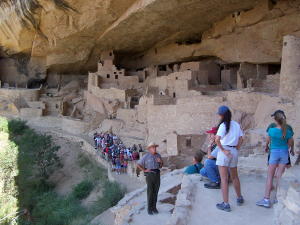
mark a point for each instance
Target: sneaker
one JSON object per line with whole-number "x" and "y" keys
{"x": 275, "y": 201}
{"x": 240, "y": 201}
{"x": 224, "y": 206}
{"x": 264, "y": 203}
{"x": 212, "y": 185}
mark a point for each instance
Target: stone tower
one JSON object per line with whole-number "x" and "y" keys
{"x": 290, "y": 67}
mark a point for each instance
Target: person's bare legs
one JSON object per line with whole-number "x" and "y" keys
{"x": 269, "y": 184}
{"x": 279, "y": 172}
{"x": 236, "y": 181}
{"x": 223, "y": 170}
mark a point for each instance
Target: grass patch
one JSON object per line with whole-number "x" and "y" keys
{"x": 83, "y": 189}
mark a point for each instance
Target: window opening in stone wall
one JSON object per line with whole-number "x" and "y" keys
{"x": 162, "y": 67}
{"x": 274, "y": 68}
{"x": 188, "y": 142}
{"x": 174, "y": 95}
{"x": 116, "y": 77}
{"x": 107, "y": 76}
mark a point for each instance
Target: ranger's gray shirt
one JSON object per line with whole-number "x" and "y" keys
{"x": 148, "y": 161}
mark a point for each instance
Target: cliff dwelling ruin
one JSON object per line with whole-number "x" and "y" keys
{"x": 156, "y": 71}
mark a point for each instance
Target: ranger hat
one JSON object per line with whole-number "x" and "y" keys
{"x": 152, "y": 144}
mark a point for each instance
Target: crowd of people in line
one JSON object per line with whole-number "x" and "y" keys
{"x": 114, "y": 151}
{"x": 221, "y": 162}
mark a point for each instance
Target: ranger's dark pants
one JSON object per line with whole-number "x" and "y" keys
{"x": 153, "y": 184}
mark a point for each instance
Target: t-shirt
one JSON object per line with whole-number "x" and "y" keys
{"x": 277, "y": 142}
{"x": 149, "y": 161}
{"x": 232, "y": 137}
{"x": 289, "y": 127}
{"x": 193, "y": 168}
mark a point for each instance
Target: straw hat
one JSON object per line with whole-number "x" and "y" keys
{"x": 152, "y": 144}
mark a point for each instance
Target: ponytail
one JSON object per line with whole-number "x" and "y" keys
{"x": 281, "y": 120}
{"x": 226, "y": 119}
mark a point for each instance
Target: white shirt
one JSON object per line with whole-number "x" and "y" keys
{"x": 232, "y": 137}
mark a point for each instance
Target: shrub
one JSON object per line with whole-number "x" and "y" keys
{"x": 42, "y": 150}
{"x": 55, "y": 210}
{"x": 83, "y": 189}
{"x": 17, "y": 127}
{"x": 113, "y": 192}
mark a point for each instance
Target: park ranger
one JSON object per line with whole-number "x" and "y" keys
{"x": 151, "y": 163}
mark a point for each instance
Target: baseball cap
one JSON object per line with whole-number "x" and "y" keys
{"x": 223, "y": 109}
{"x": 213, "y": 130}
{"x": 277, "y": 112}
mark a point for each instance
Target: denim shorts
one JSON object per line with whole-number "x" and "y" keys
{"x": 279, "y": 156}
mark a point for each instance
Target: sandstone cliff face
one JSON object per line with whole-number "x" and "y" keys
{"x": 68, "y": 36}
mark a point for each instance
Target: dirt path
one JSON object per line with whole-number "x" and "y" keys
{"x": 70, "y": 174}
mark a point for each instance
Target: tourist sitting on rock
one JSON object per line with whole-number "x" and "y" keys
{"x": 197, "y": 165}
{"x": 228, "y": 140}
{"x": 279, "y": 141}
{"x": 210, "y": 169}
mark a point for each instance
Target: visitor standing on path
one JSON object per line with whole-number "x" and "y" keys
{"x": 151, "y": 163}
{"x": 228, "y": 139}
{"x": 288, "y": 127}
{"x": 279, "y": 141}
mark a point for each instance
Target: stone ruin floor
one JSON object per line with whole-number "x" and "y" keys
{"x": 204, "y": 210}
{"x": 196, "y": 205}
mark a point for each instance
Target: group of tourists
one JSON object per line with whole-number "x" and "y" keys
{"x": 221, "y": 162}
{"x": 114, "y": 151}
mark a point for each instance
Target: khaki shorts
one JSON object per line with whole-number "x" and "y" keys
{"x": 223, "y": 160}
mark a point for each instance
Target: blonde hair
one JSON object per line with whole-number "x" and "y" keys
{"x": 281, "y": 120}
